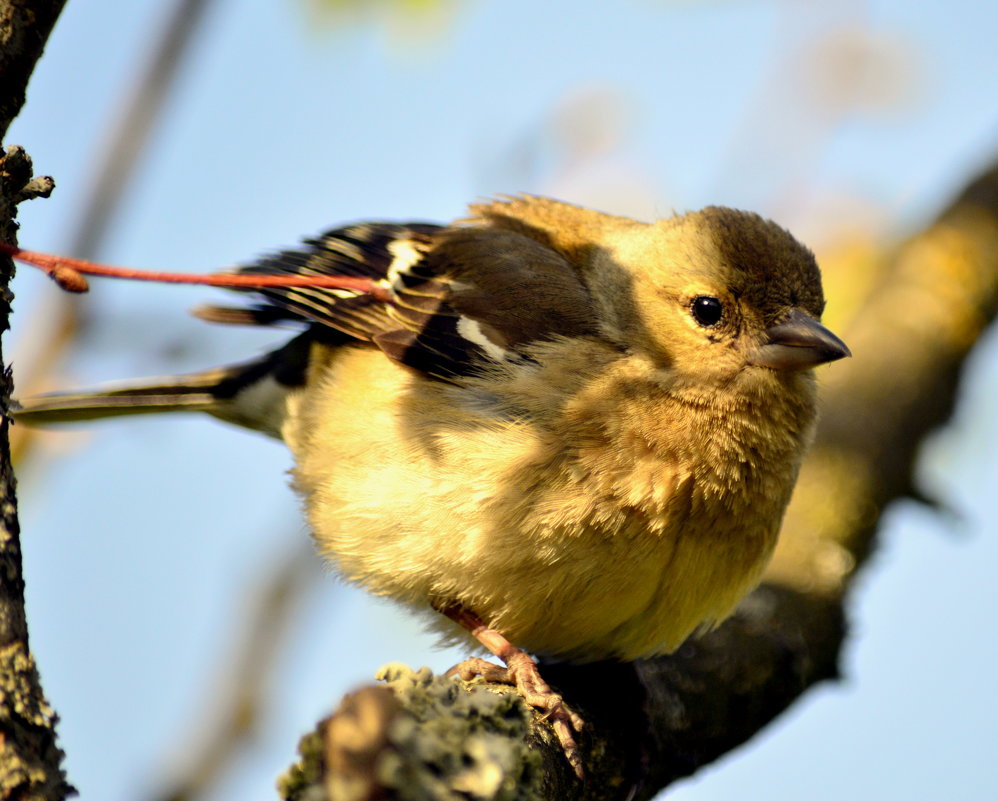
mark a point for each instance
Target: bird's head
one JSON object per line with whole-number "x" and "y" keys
{"x": 714, "y": 296}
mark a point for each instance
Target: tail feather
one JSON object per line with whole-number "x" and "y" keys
{"x": 179, "y": 393}
{"x": 252, "y": 394}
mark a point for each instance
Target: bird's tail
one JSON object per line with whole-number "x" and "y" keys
{"x": 175, "y": 393}
{"x": 252, "y": 394}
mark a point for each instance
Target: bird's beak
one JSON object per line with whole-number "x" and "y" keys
{"x": 798, "y": 342}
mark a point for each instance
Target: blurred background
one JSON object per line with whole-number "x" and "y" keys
{"x": 152, "y": 545}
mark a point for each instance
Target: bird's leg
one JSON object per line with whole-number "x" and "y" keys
{"x": 521, "y": 671}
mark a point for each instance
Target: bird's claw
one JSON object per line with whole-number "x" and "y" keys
{"x": 537, "y": 693}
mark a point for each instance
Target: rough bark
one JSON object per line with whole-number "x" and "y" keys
{"x": 30, "y": 760}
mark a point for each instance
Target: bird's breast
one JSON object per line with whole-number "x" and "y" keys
{"x": 589, "y": 534}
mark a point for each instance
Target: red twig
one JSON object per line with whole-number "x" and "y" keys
{"x": 68, "y": 274}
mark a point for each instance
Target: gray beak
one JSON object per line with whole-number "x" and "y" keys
{"x": 797, "y": 343}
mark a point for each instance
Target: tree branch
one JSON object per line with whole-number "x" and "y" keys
{"x": 30, "y": 760}
{"x": 658, "y": 720}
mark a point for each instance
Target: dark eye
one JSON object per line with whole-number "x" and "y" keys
{"x": 707, "y": 311}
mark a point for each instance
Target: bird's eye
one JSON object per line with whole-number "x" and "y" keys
{"x": 706, "y": 310}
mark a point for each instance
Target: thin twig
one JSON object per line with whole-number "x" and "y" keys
{"x": 68, "y": 273}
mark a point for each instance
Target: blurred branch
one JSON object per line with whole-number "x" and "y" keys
{"x": 30, "y": 760}
{"x": 656, "y": 721}
{"x": 248, "y": 681}
{"x": 128, "y": 137}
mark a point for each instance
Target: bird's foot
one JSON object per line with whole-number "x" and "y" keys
{"x": 476, "y": 667}
{"x": 521, "y": 671}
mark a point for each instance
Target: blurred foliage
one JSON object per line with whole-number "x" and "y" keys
{"x": 407, "y": 21}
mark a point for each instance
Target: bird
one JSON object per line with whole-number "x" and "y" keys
{"x": 551, "y": 432}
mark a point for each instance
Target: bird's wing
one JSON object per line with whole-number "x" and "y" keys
{"x": 449, "y": 297}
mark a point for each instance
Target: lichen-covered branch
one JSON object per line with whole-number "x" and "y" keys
{"x": 653, "y": 722}
{"x": 30, "y": 760}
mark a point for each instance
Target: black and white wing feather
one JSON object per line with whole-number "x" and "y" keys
{"x": 449, "y": 297}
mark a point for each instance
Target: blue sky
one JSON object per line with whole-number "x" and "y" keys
{"x": 141, "y": 537}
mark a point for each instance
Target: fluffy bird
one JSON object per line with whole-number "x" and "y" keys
{"x": 563, "y": 432}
